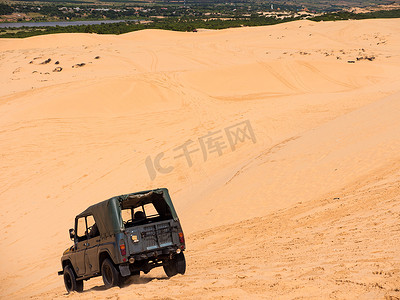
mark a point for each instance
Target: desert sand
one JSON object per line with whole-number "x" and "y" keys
{"x": 306, "y": 205}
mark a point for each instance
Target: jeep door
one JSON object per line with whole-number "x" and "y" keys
{"x": 92, "y": 247}
{"x": 80, "y": 246}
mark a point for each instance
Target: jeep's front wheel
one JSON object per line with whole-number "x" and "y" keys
{"x": 110, "y": 274}
{"x": 176, "y": 265}
{"x": 71, "y": 284}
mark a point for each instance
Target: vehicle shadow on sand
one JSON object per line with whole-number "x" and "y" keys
{"x": 128, "y": 282}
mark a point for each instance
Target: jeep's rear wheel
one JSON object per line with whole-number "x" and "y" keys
{"x": 110, "y": 274}
{"x": 169, "y": 269}
{"x": 71, "y": 284}
{"x": 176, "y": 265}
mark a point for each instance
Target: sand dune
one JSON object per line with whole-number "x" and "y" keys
{"x": 306, "y": 207}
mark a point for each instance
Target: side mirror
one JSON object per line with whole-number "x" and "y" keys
{"x": 72, "y": 234}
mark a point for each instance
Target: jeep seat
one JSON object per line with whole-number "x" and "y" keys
{"x": 139, "y": 216}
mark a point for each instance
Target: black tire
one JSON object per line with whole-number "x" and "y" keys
{"x": 180, "y": 263}
{"x": 111, "y": 276}
{"x": 71, "y": 284}
{"x": 169, "y": 268}
{"x": 176, "y": 265}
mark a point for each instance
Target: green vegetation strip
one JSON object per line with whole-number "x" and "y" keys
{"x": 186, "y": 23}
{"x": 381, "y": 14}
{"x": 181, "y": 24}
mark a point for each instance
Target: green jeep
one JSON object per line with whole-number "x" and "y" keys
{"x": 122, "y": 236}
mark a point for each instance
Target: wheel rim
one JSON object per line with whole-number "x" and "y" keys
{"x": 68, "y": 282}
{"x": 107, "y": 274}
